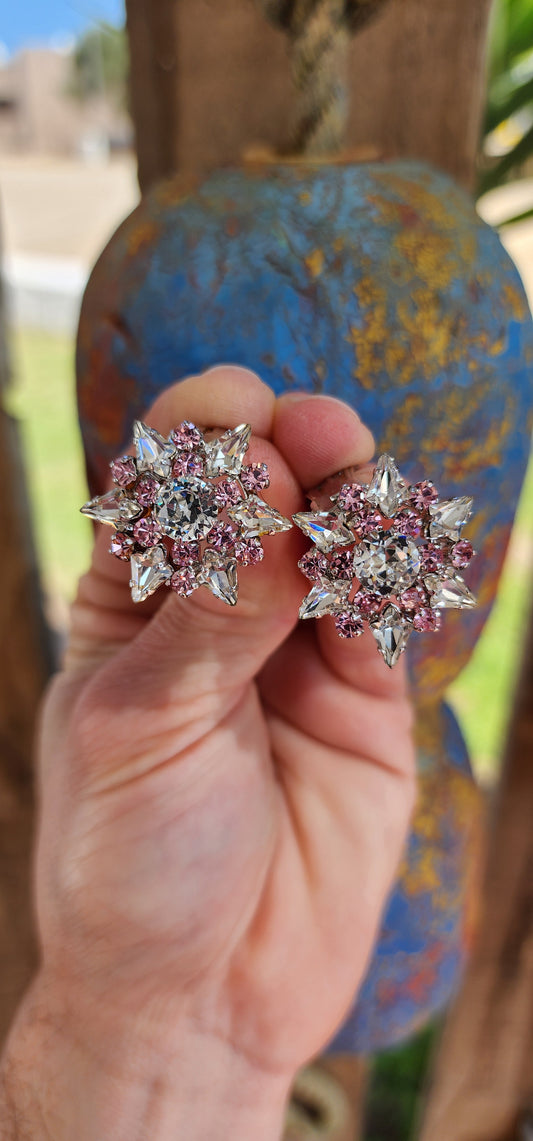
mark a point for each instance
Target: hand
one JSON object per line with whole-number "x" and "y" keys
{"x": 225, "y": 796}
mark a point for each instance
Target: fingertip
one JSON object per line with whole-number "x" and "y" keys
{"x": 318, "y": 435}
{"x": 223, "y": 396}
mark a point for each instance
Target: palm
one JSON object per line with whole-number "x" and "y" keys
{"x": 246, "y": 830}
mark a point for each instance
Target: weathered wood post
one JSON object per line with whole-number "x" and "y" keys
{"x": 25, "y": 667}
{"x": 483, "y": 1082}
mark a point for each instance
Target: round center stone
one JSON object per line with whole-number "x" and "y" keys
{"x": 186, "y": 509}
{"x": 390, "y": 564}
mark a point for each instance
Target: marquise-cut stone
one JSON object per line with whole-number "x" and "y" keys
{"x": 154, "y": 453}
{"x": 324, "y": 598}
{"x": 390, "y": 564}
{"x": 452, "y": 594}
{"x": 325, "y": 529}
{"x": 449, "y": 517}
{"x": 186, "y": 509}
{"x": 226, "y": 454}
{"x": 257, "y": 518}
{"x": 115, "y": 508}
{"x": 392, "y": 633}
{"x": 387, "y": 490}
{"x": 219, "y": 574}
{"x": 148, "y": 571}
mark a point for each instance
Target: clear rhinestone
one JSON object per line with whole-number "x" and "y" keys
{"x": 154, "y": 453}
{"x": 387, "y": 490}
{"x": 324, "y": 528}
{"x": 148, "y": 571}
{"x": 227, "y": 453}
{"x": 114, "y": 508}
{"x": 449, "y": 516}
{"x": 186, "y": 509}
{"x": 392, "y": 633}
{"x": 452, "y": 594}
{"x": 219, "y": 574}
{"x": 432, "y": 582}
{"x": 324, "y": 598}
{"x": 257, "y": 518}
{"x": 392, "y": 563}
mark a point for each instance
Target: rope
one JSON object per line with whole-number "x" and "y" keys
{"x": 318, "y": 32}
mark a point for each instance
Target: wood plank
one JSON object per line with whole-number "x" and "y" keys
{"x": 24, "y": 668}
{"x": 484, "y": 1074}
{"x": 209, "y": 79}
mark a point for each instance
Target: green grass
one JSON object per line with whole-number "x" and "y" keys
{"x": 482, "y": 696}
{"x": 43, "y": 398}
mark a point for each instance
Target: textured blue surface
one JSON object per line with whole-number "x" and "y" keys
{"x": 378, "y": 284}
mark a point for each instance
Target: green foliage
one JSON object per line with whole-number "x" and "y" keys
{"x": 397, "y": 1086}
{"x": 100, "y": 65}
{"x": 43, "y": 400}
{"x": 509, "y": 111}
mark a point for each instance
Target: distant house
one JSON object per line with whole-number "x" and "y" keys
{"x": 38, "y": 116}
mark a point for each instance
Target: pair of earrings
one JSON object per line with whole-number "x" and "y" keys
{"x": 187, "y": 511}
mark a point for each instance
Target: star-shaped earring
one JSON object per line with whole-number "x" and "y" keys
{"x": 388, "y": 555}
{"x": 186, "y": 510}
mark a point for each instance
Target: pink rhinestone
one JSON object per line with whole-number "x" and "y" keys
{"x": 124, "y": 471}
{"x": 412, "y": 599}
{"x": 248, "y": 552}
{"x": 341, "y": 565}
{"x": 121, "y": 545}
{"x": 370, "y": 523}
{"x": 426, "y": 620}
{"x": 146, "y": 532}
{"x": 423, "y": 494}
{"x": 222, "y": 537}
{"x": 183, "y": 582}
{"x": 228, "y": 493}
{"x": 462, "y": 553}
{"x": 255, "y": 477}
{"x": 146, "y": 490}
{"x": 184, "y": 554}
{"x": 432, "y": 557}
{"x": 348, "y": 624}
{"x": 408, "y": 523}
{"x": 350, "y": 498}
{"x": 367, "y": 603}
{"x": 186, "y": 436}
{"x": 188, "y": 464}
{"x": 313, "y": 565}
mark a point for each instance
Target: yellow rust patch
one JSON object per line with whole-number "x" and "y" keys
{"x": 450, "y": 839}
{"x": 143, "y": 235}
{"x": 315, "y": 263}
{"x": 429, "y": 255}
{"x": 516, "y": 302}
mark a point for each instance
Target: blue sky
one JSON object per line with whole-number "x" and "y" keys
{"x": 41, "y": 21}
